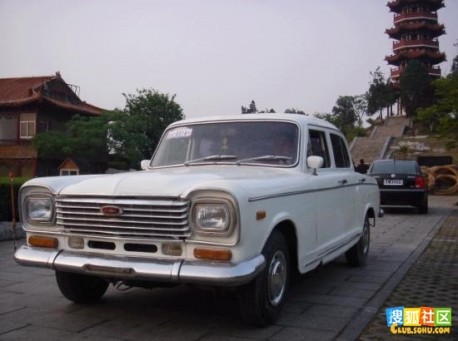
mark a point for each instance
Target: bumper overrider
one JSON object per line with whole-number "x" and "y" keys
{"x": 130, "y": 268}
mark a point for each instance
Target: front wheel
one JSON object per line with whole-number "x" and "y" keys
{"x": 81, "y": 288}
{"x": 357, "y": 255}
{"x": 260, "y": 301}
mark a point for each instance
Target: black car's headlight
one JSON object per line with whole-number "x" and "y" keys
{"x": 213, "y": 214}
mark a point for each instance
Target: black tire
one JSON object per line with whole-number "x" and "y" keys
{"x": 260, "y": 301}
{"x": 357, "y": 255}
{"x": 81, "y": 288}
{"x": 423, "y": 209}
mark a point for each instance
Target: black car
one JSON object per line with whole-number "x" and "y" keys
{"x": 401, "y": 183}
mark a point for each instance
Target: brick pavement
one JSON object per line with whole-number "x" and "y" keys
{"x": 431, "y": 282}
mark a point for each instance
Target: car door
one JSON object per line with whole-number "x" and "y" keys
{"x": 353, "y": 187}
{"x": 334, "y": 204}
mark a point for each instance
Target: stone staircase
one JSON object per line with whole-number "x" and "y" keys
{"x": 376, "y": 145}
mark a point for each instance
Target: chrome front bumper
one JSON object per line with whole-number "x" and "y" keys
{"x": 129, "y": 268}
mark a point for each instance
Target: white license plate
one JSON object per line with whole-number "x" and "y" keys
{"x": 393, "y": 182}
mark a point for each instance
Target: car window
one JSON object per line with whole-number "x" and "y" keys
{"x": 340, "y": 152}
{"x": 398, "y": 167}
{"x": 270, "y": 143}
{"x": 318, "y": 147}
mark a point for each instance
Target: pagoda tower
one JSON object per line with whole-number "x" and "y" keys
{"x": 415, "y": 31}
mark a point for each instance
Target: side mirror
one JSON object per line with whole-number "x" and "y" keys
{"x": 144, "y": 164}
{"x": 315, "y": 162}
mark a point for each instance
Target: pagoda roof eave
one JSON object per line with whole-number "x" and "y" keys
{"x": 432, "y": 57}
{"x": 396, "y": 6}
{"x": 435, "y": 30}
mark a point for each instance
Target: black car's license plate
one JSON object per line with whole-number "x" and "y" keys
{"x": 393, "y": 182}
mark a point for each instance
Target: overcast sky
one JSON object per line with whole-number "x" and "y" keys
{"x": 215, "y": 55}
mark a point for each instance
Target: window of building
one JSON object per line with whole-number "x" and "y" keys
{"x": 8, "y": 125}
{"x": 43, "y": 123}
{"x": 27, "y": 126}
{"x": 64, "y": 172}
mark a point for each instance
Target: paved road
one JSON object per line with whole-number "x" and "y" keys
{"x": 333, "y": 302}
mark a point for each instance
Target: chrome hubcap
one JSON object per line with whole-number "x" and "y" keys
{"x": 276, "y": 281}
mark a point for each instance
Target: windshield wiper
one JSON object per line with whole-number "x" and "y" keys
{"x": 216, "y": 157}
{"x": 265, "y": 158}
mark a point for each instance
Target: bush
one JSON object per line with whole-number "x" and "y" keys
{"x": 5, "y": 197}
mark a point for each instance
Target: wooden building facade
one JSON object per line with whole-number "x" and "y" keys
{"x": 33, "y": 105}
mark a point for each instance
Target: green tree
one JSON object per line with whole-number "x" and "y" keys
{"x": 84, "y": 137}
{"x": 120, "y": 138}
{"x": 350, "y": 131}
{"x": 442, "y": 116}
{"x": 360, "y": 108}
{"x": 251, "y": 109}
{"x": 136, "y": 130}
{"x": 52, "y": 144}
{"x": 327, "y": 117}
{"x": 416, "y": 89}
{"x": 294, "y": 111}
{"x": 88, "y": 137}
{"x": 381, "y": 94}
{"x": 454, "y": 69}
{"x": 267, "y": 111}
{"x": 345, "y": 113}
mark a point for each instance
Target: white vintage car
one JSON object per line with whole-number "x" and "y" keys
{"x": 238, "y": 202}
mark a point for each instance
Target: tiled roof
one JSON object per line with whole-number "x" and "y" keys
{"x": 15, "y": 92}
{"x": 17, "y": 89}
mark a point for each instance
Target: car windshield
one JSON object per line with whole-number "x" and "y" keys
{"x": 398, "y": 167}
{"x": 270, "y": 143}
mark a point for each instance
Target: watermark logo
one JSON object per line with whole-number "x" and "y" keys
{"x": 419, "y": 320}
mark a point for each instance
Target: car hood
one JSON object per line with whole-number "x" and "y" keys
{"x": 175, "y": 182}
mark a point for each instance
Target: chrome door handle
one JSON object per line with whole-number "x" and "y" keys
{"x": 362, "y": 180}
{"x": 342, "y": 182}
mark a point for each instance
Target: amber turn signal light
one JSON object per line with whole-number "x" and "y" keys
{"x": 47, "y": 242}
{"x": 260, "y": 215}
{"x": 213, "y": 254}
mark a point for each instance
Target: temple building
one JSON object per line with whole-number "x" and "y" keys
{"x": 416, "y": 31}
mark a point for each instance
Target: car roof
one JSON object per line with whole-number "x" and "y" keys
{"x": 296, "y": 118}
{"x": 394, "y": 161}
{"x": 394, "y": 166}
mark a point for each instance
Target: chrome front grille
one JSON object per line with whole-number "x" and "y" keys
{"x": 136, "y": 218}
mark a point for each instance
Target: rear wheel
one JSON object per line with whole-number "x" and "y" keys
{"x": 81, "y": 288}
{"x": 357, "y": 255}
{"x": 260, "y": 301}
{"x": 423, "y": 209}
